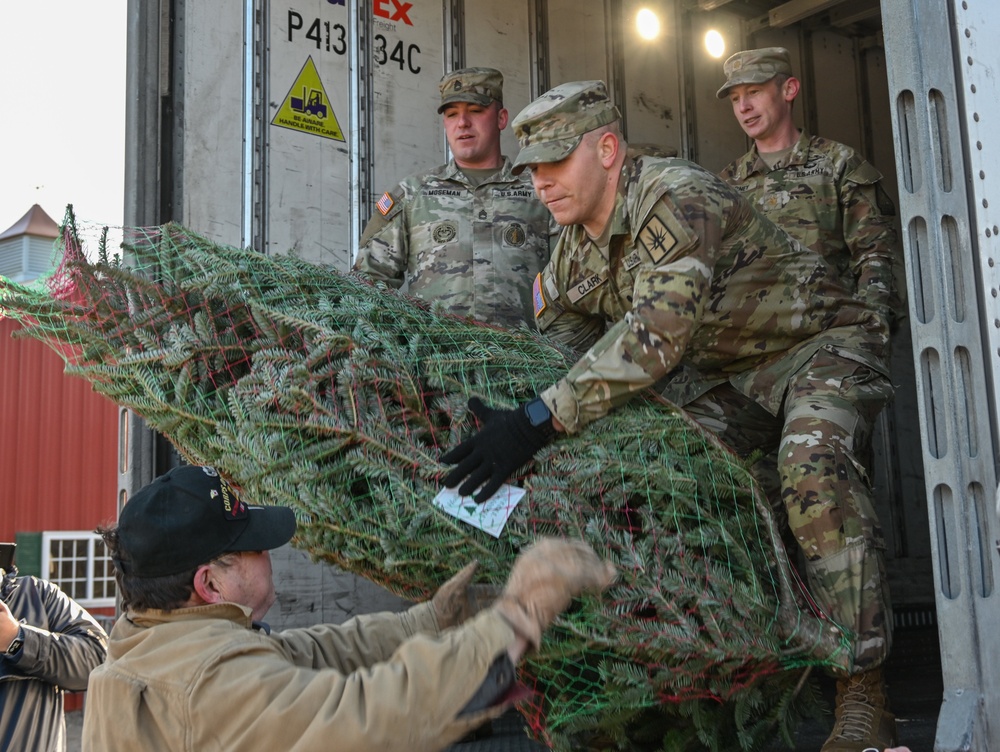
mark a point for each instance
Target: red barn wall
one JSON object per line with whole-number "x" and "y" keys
{"x": 58, "y": 443}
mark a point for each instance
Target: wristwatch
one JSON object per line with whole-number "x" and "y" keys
{"x": 540, "y": 417}
{"x": 18, "y": 642}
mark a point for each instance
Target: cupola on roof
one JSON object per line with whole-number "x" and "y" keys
{"x": 35, "y": 222}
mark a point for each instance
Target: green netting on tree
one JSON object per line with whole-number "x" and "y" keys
{"x": 317, "y": 390}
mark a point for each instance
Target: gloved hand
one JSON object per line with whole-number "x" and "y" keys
{"x": 506, "y": 441}
{"x": 454, "y": 601}
{"x": 544, "y": 580}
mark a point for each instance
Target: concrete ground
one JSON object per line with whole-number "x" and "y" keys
{"x": 74, "y": 728}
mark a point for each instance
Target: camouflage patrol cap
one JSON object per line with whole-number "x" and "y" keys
{"x": 477, "y": 85}
{"x": 754, "y": 67}
{"x": 551, "y": 127}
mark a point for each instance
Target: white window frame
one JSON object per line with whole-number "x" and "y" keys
{"x": 91, "y": 539}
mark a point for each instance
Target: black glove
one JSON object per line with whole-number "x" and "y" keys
{"x": 507, "y": 440}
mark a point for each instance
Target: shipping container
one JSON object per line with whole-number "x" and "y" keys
{"x": 217, "y": 140}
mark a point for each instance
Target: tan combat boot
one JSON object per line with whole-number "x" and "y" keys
{"x": 863, "y": 721}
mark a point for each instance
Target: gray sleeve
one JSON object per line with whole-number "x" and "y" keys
{"x": 63, "y": 643}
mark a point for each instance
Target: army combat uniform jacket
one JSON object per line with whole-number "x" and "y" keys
{"x": 691, "y": 275}
{"x": 203, "y": 679}
{"x": 828, "y": 198}
{"x": 473, "y": 250}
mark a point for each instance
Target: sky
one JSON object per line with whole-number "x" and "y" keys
{"x": 62, "y": 109}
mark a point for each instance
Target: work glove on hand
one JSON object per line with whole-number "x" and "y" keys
{"x": 506, "y": 441}
{"x": 457, "y": 599}
{"x": 544, "y": 580}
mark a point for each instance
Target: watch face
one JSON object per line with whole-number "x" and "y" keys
{"x": 537, "y": 412}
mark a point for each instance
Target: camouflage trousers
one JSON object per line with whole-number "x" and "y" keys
{"x": 814, "y": 477}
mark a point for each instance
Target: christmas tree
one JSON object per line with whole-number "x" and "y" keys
{"x": 316, "y": 390}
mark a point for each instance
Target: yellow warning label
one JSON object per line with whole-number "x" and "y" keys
{"x": 307, "y": 108}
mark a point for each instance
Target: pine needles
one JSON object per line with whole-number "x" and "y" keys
{"x": 315, "y": 390}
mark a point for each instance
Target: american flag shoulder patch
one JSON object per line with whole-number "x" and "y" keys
{"x": 385, "y": 204}
{"x": 538, "y": 296}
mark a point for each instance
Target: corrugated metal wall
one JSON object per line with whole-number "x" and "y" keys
{"x": 58, "y": 443}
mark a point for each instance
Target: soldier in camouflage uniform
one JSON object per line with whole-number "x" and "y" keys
{"x": 824, "y": 195}
{"x": 469, "y": 234}
{"x": 670, "y": 278}
{"x": 820, "y": 192}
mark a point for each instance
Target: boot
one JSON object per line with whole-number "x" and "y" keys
{"x": 863, "y": 720}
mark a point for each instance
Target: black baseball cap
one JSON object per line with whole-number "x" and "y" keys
{"x": 189, "y": 516}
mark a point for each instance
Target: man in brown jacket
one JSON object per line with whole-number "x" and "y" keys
{"x": 190, "y": 668}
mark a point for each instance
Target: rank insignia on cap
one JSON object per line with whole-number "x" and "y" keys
{"x": 385, "y": 204}
{"x": 538, "y": 296}
{"x": 656, "y": 239}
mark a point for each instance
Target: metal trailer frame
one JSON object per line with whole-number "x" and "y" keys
{"x": 944, "y": 96}
{"x": 148, "y": 195}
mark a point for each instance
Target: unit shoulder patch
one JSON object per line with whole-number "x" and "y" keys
{"x": 656, "y": 239}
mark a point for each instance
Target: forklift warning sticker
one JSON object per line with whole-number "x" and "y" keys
{"x": 307, "y": 107}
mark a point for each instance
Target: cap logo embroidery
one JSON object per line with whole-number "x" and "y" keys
{"x": 233, "y": 508}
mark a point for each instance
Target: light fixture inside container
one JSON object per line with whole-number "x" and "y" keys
{"x": 647, "y": 24}
{"x": 714, "y": 43}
